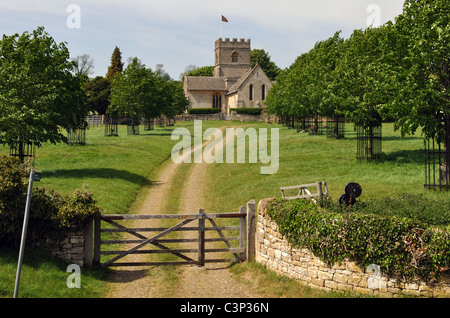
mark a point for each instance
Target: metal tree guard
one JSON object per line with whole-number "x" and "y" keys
{"x": 77, "y": 136}
{"x": 22, "y": 150}
{"x": 368, "y": 142}
{"x": 437, "y": 159}
{"x": 149, "y": 124}
{"x": 111, "y": 126}
{"x": 133, "y": 128}
{"x": 335, "y": 127}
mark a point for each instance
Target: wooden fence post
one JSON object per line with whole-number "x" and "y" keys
{"x": 251, "y": 252}
{"x": 242, "y": 233}
{"x": 97, "y": 237}
{"x": 88, "y": 241}
{"x": 201, "y": 237}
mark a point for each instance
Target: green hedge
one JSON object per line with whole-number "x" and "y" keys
{"x": 402, "y": 247}
{"x": 203, "y": 111}
{"x": 248, "y": 111}
{"x": 50, "y": 212}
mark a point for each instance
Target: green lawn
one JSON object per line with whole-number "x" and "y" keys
{"x": 113, "y": 169}
{"x": 308, "y": 158}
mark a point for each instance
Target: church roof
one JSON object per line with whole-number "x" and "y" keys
{"x": 241, "y": 81}
{"x": 205, "y": 83}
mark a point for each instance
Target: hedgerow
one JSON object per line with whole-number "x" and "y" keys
{"x": 402, "y": 247}
{"x": 50, "y": 212}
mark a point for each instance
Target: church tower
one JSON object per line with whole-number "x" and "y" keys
{"x": 232, "y": 58}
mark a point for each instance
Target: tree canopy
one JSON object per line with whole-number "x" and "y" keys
{"x": 116, "y": 64}
{"x": 397, "y": 71}
{"x": 139, "y": 92}
{"x": 263, "y": 59}
{"x": 38, "y": 92}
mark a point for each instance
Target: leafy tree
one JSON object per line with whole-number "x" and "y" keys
{"x": 84, "y": 65}
{"x": 420, "y": 68}
{"x": 192, "y": 70}
{"x": 132, "y": 91}
{"x": 38, "y": 93}
{"x": 140, "y": 92}
{"x": 116, "y": 64}
{"x": 176, "y": 101}
{"x": 98, "y": 92}
{"x": 419, "y": 72}
{"x": 263, "y": 59}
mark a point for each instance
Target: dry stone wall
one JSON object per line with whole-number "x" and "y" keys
{"x": 74, "y": 247}
{"x": 276, "y": 253}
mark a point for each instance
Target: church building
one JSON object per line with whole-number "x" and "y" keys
{"x": 234, "y": 84}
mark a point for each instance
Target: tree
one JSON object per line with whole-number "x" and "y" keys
{"x": 84, "y": 65}
{"x": 419, "y": 71}
{"x": 116, "y": 64}
{"x": 98, "y": 92}
{"x": 140, "y": 92}
{"x": 192, "y": 70}
{"x": 263, "y": 59}
{"x": 38, "y": 92}
{"x": 176, "y": 101}
{"x": 420, "y": 68}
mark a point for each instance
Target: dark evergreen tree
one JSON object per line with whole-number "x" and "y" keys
{"x": 116, "y": 64}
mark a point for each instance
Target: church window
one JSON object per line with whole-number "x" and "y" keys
{"x": 263, "y": 92}
{"x": 234, "y": 57}
{"x": 251, "y": 92}
{"x": 217, "y": 101}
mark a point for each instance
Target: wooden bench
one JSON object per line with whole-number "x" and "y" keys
{"x": 304, "y": 193}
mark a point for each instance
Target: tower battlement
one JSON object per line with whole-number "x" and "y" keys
{"x": 243, "y": 43}
{"x": 232, "y": 57}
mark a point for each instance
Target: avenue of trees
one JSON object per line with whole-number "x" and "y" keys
{"x": 398, "y": 71}
{"x": 44, "y": 93}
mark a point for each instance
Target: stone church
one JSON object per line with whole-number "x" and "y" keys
{"x": 234, "y": 84}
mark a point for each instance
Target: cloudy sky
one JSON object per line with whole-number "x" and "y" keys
{"x": 178, "y": 33}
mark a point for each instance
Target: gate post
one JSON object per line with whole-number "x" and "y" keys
{"x": 242, "y": 233}
{"x": 251, "y": 231}
{"x": 97, "y": 237}
{"x": 201, "y": 237}
{"x": 88, "y": 241}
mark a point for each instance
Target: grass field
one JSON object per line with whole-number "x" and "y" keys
{"x": 116, "y": 169}
{"x": 308, "y": 158}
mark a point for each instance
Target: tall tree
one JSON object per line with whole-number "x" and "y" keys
{"x": 38, "y": 92}
{"x": 116, "y": 64}
{"x": 263, "y": 59}
{"x": 84, "y": 65}
{"x": 420, "y": 72}
{"x": 98, "y": 91}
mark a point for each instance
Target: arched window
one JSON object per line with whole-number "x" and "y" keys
{"x": 263, "y": 92}
{"x": 234, "y": 57}
{"x": 250, "y": 93}
{"x": 217, "y": 101}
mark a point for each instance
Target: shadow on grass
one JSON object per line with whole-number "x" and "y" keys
{"x": 404, "y": 156}
{"x": 99, "y": 173}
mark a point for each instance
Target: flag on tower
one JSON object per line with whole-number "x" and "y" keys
{"x": 224, "y": 19}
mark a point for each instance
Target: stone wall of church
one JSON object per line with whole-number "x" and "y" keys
{"x": 202, "y": 99}
{"x": 257, "y": 80}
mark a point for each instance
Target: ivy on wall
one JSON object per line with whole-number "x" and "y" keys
{"x": 402, "y": 247}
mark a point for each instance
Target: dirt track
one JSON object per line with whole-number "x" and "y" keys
{"x": 211, "y": 281}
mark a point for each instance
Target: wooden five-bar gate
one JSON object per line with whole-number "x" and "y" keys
{"x": 241, "y": 246}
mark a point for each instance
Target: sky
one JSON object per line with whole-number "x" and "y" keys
{"x": 179, "y": 33}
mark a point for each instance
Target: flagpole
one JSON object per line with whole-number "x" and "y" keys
{"x": 221, "y": 27}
